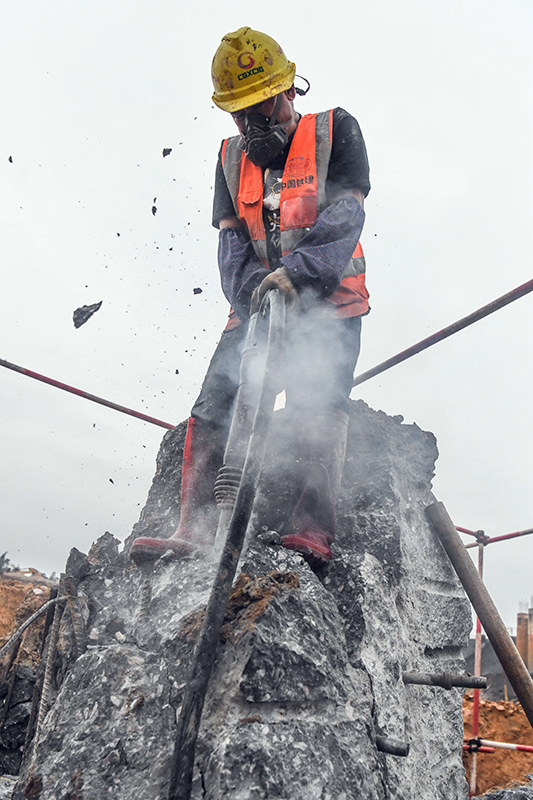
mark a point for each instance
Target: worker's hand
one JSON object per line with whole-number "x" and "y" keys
{"x": 278, "y": 279}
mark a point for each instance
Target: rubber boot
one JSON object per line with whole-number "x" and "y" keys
{"x": 322, "y": 449}
{"x": 202, "y": 458}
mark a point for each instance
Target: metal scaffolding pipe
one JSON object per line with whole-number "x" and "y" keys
{"x": 487, "y": 612}
{"x": 470, "y": 749}
{"x": 392, "y": 746}
{"x": 446, "y": 680}
{"x": 491, "y": 540}
{"x": 72, "y": 389}
{"x": 509, "y": 536}
{"x": 524, "y": 748}
{"x": 495, "y": 305}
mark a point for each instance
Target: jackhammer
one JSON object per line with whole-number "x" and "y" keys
{"x": 235, "y": 490}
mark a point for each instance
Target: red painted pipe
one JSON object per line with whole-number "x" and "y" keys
{"x": 495, "y": 305}
{"x": 465, "y": 530}
{"x": 524, "y": 748}
{"x": 86, "y": 395}
{"x": 496, "y": 538}
{"x": 479, "y": 750}
{"x": 510, "y": 536}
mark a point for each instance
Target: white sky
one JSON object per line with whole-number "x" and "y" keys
{"x": 93, "y": 91}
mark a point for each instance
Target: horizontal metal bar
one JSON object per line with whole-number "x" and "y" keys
{"x": 471, "y": 749}
{"x": 66, "y": 388}
{"x": 446, "y": 680}
{"x": 524, "y": 748}
{"x": 500, "y": 302}
{"x": 510, "y": 536}
{"x": 493, "y": 539}
{"x": 392, "y": 746}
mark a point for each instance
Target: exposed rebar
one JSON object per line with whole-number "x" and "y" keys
{"x": 78, "y": 625}
{"x": 37, "y": 689}
{"x": 50, "y": 658}
{"x": 146, "y": 596}
{"x": 392, "y": 746}
{"x": 18, "y": 633}
{"x": 447, "y": 680}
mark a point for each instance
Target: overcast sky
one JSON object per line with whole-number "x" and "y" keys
{"x": 92, "y": 92}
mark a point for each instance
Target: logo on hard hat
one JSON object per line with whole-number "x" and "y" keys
{"x": 244, "y": 62}
{"x": 249, "y": 72}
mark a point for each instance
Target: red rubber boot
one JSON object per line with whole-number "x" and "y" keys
{"x": 322, "y": 444}
{"x": 202, "y": 458}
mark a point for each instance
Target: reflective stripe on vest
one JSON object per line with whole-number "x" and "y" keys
{"x": 303, "y": 197}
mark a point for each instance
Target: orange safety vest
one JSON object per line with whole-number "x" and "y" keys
{"x": 303, "y": 197}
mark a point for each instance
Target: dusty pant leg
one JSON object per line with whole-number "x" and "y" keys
{"x": 321, "y": 355}
{"x": 211, "y": 418}
{"x": 216, "y": 400}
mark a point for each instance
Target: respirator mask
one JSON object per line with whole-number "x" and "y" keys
{"x": 263, "y": 138}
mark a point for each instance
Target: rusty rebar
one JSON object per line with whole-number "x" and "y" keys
{"x": 36, "y": 698}
{"x": 446, "y": 680}
{"x": 50, "y": 659}
{"x": 18, "y": 633}
{"x": 392, "y": 746}
{"x": 146, "y": 594}
{"x": 78, "y": 625}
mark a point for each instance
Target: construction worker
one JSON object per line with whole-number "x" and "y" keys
{"x": 289, "y": 194}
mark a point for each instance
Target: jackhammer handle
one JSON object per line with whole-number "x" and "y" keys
{"x": 206, "y": 645}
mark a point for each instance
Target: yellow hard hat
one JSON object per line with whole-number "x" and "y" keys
{"x": 248, "y": 68}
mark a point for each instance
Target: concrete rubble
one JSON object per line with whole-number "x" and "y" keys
{"x": 310, "y": 663}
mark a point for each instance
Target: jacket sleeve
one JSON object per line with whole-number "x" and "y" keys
{"x": 240, "y": 269}
{"x": 321, "y": 256}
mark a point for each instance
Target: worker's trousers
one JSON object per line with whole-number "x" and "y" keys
{"x": 317, "y": 374}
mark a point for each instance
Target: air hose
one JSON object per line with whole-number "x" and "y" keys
{"x": 245, "y": 451}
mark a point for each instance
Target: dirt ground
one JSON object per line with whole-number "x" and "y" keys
{"x": 501, "y": 722}
{"x": 20, "y": 596}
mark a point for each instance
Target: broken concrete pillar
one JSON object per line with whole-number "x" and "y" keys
{"x": 522, "y": 635}
{"x": 309, "y": 669}
{"x": 529, "y": 662}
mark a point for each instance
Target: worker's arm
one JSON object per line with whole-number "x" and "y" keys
{"x": 230, "y": 222}
{"x": 321, "y": 256}
{"x": 240, "y": 269}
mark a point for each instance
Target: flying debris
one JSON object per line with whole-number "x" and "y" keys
{"x": 154, "y": 207}
{"x": 83, "y": 313}
{"x": 10, "y": 159}
{"x": 197, "y": 290}
{"x": 166, "y": 151}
